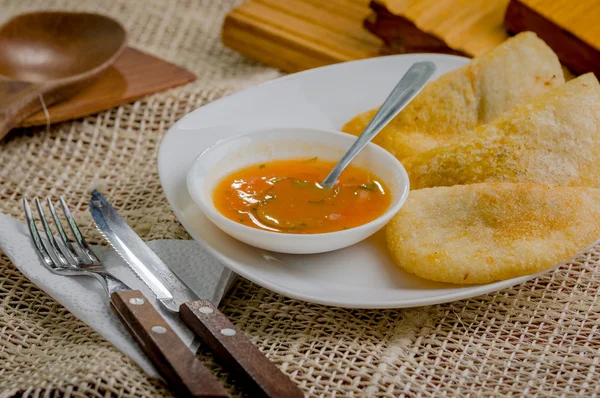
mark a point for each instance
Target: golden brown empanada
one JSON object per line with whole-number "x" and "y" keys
{"x": 551, "y": 139}
{"x": 520, "y": 68}
{"x": 487, "y": 232}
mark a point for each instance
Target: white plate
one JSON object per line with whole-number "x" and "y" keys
{"x": 360, "y": 276}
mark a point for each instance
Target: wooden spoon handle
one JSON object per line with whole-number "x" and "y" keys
{"x": 235, "y": 350}
{"x": 184, "y": 373}
{"x": 18, "y": 100}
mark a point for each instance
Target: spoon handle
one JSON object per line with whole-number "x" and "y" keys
{"x": 407, "y": 88}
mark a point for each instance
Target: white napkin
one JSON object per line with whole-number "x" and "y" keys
{"x": 87, "y": 300}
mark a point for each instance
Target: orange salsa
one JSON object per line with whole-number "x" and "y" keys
{"x": 285, "y": 196}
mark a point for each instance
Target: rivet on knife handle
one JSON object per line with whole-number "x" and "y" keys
{"x": 232, "y": 347}
{"x": 184, "y": 373}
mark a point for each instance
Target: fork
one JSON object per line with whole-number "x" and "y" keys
{"x": 186, "y": 375}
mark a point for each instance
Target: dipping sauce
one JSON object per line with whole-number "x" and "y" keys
{"x": 285, "y": 196}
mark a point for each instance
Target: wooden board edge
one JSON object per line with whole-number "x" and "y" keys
{"x": 401, "y": 35}
{"x": 573, "y": 52}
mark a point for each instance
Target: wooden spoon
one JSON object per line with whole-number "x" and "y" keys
{"x": 52, "y": 54}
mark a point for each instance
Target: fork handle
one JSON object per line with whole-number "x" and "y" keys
{"x": 234, "y": 349}
{"x": 184, "y": 373}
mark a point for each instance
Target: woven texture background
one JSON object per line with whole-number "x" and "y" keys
{"x": 539, "y": 339}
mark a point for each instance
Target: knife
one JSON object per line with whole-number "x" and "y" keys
{"x": 229, "y": 345}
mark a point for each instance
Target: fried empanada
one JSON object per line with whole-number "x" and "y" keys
{"x": 552, "y": 139}
{"x": 520, "y": 68}
{"x": 488, "y": 232}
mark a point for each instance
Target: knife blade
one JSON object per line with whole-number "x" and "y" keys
{"x": 228, "y": 343}
{"x": 167, "y": 287}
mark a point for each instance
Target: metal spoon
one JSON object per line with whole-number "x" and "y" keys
{"x": 407, "y": 88}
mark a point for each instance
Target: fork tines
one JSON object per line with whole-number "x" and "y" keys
{"x": 59, "y": 252}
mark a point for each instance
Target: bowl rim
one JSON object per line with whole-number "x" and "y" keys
{"x": 210, "y": 212}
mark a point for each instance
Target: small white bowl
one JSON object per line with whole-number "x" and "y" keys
{"x": 266, "y": 145}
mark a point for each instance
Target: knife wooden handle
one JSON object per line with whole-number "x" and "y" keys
{"x": 234, "y": 349}
{"x": 184, "y": 373}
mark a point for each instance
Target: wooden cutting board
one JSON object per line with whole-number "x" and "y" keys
{"x": 134, "y": 75}
{"x": 476, "y": 26}
{"x": 451, "y": 26}
{"x": 295, "y": 35}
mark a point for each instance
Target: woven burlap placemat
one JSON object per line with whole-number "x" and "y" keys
{"x": 541, "y": 338}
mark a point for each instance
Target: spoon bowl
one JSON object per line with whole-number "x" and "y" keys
{"x": 52, "y": 54}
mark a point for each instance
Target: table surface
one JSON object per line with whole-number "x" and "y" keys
{"x": 538, "y": 338}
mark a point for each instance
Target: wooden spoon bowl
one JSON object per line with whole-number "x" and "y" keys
{"x": 52, "y": 54}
